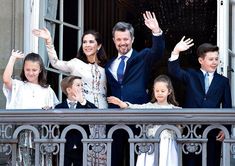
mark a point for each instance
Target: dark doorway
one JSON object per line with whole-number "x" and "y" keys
{"x": 177, "y": 18}
{"x": 193, "y": 18}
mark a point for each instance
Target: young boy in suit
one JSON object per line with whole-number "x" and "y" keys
{"x": 72, "y": 87}
{"x": 205, "y": 88}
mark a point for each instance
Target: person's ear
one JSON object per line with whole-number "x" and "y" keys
{"x": 169, "y": 91}
{"x": 68, "y": 90}
{"x": 133, "y": 39}
{"x": 99, "y": 47}
{"x": 200, "y": 60}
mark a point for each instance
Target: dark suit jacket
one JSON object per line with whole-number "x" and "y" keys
{"x": 218, "y": 93}
{"x": 73, "y": 137}
{"x": 64, "y": 104}
{"x": 134, "y": 85}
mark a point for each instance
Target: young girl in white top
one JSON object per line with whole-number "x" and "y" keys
{"x": 163, "y": 97}
{"x": 31, "y": 92}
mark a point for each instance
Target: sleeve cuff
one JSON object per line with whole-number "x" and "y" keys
{"x": 84, "y": 102}
{"x": 174, "y": 57}
{"x": 50, "y": 46}
{"x": 158, "y": 34}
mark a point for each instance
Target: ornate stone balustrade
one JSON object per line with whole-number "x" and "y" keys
{"x": 47, "y": 130}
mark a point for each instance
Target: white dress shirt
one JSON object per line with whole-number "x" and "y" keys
{"x": 114, "y": 66}
{"x": 211, "y": 75}
{"x": 68, "y": 102}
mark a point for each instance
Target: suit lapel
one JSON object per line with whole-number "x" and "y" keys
{"x": 201, "y": 79}
{"x": 110, "y": 62}
{"x": 129, "y": 63}
{"x": 66, "y": 104}
{"x": 108, "y": 73}
{"x": 214, "y": 83}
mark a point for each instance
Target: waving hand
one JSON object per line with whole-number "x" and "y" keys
{"x": 183, "y": 45}
{"x": 151, "y": 22}
{"x": 43, "y": 33}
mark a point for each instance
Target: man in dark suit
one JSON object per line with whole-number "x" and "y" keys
{"x": 205, "y": 88}
{"x": 128, "y": 73}
{"x": 132, "y": 86}
{"x": 72, "y": 88}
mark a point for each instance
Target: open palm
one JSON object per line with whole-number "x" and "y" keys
{"x": 184, "y": 45}
{"x": 43, "y": 33}
{"x": 17, "y": 54}
{"x": 151, "y": 21}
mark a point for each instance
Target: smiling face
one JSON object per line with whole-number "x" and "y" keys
{"x": 90, "y": 47}
{"x": 161, "y": 92}
{"x": 210, "y": 62}
{"x": 32, "y": 71}
{"x": 123, "y": 41}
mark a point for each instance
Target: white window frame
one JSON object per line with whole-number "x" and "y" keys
{"x": 232, "y": 53}
{"x": 35, "y": 17}
{"x": 31, "y": 21}
{"x": 223, "y": 35}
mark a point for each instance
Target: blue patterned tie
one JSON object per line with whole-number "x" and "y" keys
{"x": 206, "y": 82}
{"x": 120, "y": 69}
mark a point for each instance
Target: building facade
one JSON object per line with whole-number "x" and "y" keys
{"x": 205, "y": 21}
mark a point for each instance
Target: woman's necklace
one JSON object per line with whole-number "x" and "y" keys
{"x": 96, "y": 76}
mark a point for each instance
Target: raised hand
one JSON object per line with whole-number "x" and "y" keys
{"x": 78, "y": 96}
{"x": 7, "y": 74}
{"x": 183, "y": 45}
{"x": 151, "y": 22}
{"x": 43, "y": 33}
{"x": 17, "y": 54}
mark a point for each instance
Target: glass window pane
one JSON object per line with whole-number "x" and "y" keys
{"x": 70, "y": 43}
{"x": 71, "y": 12}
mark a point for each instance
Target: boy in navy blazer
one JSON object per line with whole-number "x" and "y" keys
{"x": 198, "y": 96}
{"x": 72, "y": 87}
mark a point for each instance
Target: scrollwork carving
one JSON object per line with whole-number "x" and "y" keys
{"x": 144, "y": 131}
{"x": 6, "y": 149}
{"x": 190, "y": 132}
{"x": 144, "y": 148}
{"x": 49, "y": 148}
{"x": 50, "y": 131}
{"x": 97, "y": 131}
{"x": 97, "y": 154}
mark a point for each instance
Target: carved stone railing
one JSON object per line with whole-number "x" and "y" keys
{"x": 47, "y": 130}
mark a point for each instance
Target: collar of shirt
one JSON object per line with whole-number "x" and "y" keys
{"x": 68, "y": 101}
{"x": 113, "y": 67}
{"x": 211, "y": 75}
{"x": 128, "y": 55}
